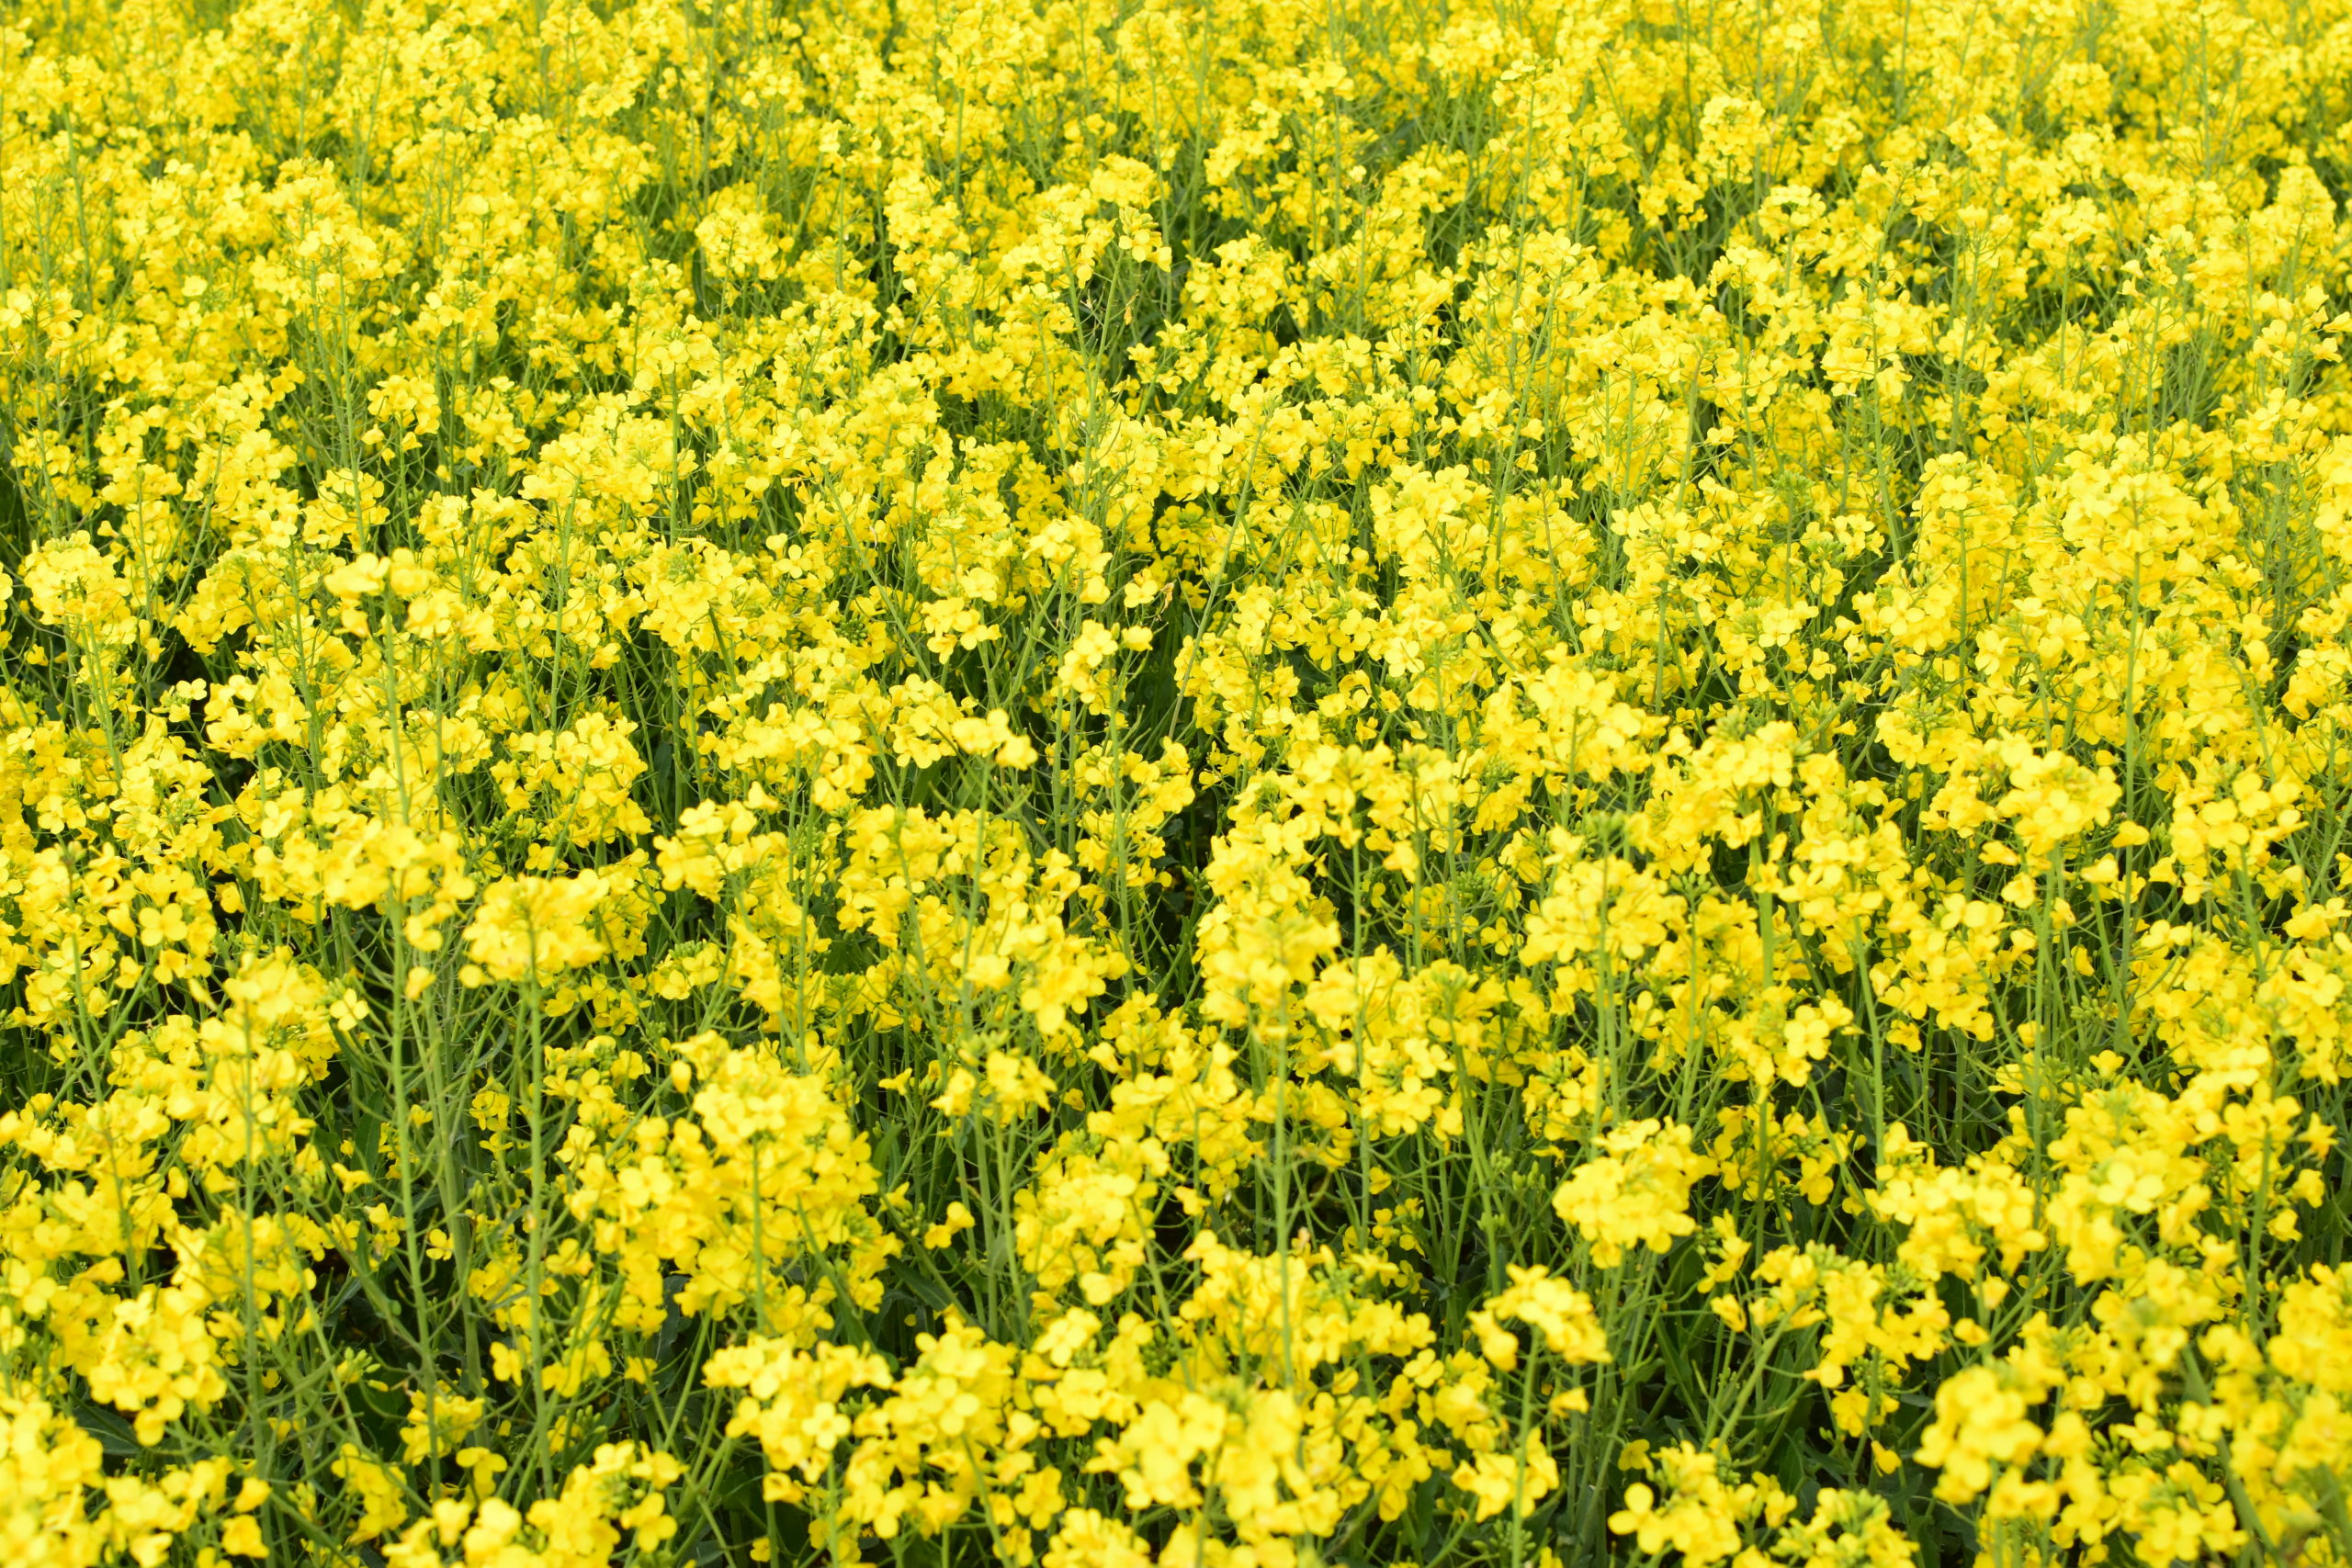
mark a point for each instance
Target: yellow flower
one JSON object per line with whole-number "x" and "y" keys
{"x": 533, "y": 928}
{"x": 1636, "y": 1192}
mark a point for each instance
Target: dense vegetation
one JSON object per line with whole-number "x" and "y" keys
{"x": 1227, "y": 783}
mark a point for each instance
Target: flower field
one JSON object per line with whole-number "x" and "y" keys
{"x": 1175, "y": 783}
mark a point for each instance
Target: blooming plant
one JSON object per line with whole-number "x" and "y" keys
{"x": 1188, "y": 784}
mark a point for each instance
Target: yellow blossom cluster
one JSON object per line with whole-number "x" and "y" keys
{"x": 1187, "y": 783}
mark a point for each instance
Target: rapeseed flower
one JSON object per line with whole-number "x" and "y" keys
{"x": 1174, "y": 785}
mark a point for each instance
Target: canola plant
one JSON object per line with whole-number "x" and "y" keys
{"x": 1175, "y": 783}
